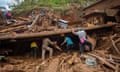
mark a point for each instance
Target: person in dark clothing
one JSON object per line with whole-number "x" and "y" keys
{"x": 8, "y": 15}
{"x": 34, "y": 49}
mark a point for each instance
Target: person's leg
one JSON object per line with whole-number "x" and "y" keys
{"x": 50, "y": 51}
{"x": 43, "y": 53}
{"x": 35, "y": 52}
{"x": 67, "y": 48}
{"x": 71, "y": 46}
{"x": 89, "y": 44}
{"x": 81, "y": 48}
{"x": 32, "y": 52}
{"x": 38, "y": 52}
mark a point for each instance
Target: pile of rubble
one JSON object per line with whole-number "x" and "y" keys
{"x": 35, "y": 22}
{"x": 105, "y": 58}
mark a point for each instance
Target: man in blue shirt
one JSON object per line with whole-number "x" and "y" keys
{"x": 69, "y": 43}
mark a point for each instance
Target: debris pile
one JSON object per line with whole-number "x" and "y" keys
{"x": 35, "y": 22}
{"x": 104, "y": 59}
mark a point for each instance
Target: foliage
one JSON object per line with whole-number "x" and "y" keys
{"x": 29, "y": 4}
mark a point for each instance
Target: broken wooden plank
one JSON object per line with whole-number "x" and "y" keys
{"x": 25, "y": 19}
{"x": 118, "y": 40}
{"x": 117, "y": 68}
{"x": 12, "y": 28}
{"x": 113, "y": 43}
{"x": 36, "y": 19}
{"x": 14, "y": 25}
{"x": 103, "y": 60}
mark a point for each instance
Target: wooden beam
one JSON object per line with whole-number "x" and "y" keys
{"x": 48, "y": 33}
{"x": 12, "y": 28}
{"x": 25, "y": 19}
{"x": 36, "y": 18}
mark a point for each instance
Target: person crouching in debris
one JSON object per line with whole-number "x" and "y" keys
{"x": 83, "y": 40}
{"x": 45, "y": 47}
{"x": 8, "y": 16}
{"x": 34, "y": 49}
{"x": 69, "y": 43}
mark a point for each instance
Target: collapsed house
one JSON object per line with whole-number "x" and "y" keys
{"x": 103, "y": 12}
{"x": 28, "y": 29}
{"x": 18, "y": 37}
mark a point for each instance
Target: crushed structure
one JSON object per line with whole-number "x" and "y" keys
{"x": 103, "y": 34}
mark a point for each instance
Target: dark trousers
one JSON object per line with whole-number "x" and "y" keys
{"x": 8, "y": 17}
{"x": 68, "y": 47}
{"x": 83, "y": 44}
{"x": 34, "y": 52}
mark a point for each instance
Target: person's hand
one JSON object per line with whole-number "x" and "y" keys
{"x": 55, "y": 42}
{"x": 57, "y": 47}
{"x": 73, "y": 30}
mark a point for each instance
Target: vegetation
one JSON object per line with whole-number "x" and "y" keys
{"x": 29, "y": 4}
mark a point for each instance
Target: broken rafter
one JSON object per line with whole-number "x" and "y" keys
{"x": 12, "y": 28}
{"x": 36, "y": 19}
{"x": 113, "y": 43}
{"x": 15, "y": 25}
{"x": 25, "y": 19}
{"x": 118, "y": 40}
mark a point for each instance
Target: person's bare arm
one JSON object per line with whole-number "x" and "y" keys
{"x": 56, "y": 46}
{"x": 50, "y": 42}
{"x": 63, "y": 42}
{"x": 73, "y": 31}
